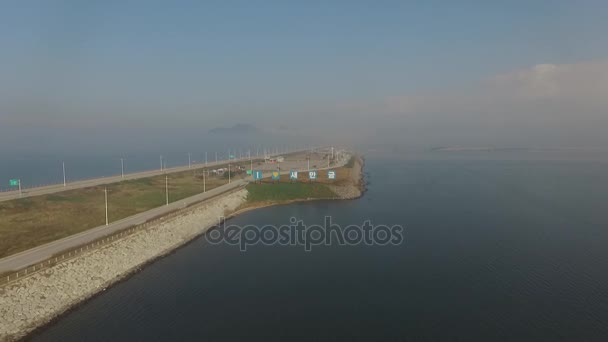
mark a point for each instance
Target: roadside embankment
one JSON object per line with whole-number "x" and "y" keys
{"x": 36, "y": 300}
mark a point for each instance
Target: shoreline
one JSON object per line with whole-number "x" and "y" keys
{"x": 30, "y": 305}
{"x": 40, "y": 322}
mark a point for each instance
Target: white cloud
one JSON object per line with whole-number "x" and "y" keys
{"x": 581, "y": 84}
{"x": 545, "y": 103}
{"x": 564, "y": 82}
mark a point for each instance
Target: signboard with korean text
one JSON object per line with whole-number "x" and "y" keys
{"x": 276, "y": 175}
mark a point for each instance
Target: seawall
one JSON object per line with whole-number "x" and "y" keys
{"x": 36, "y": 300}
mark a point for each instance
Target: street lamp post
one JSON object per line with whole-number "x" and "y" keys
{"x": 167, "y": 189}
{"x": 105, "y": 190}
{"x": 64, "y": 183}
{"x": 122, "y": 167}
{"x": 189, "y": 160}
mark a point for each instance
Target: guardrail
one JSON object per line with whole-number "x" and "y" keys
{"x": 10, "y": 277}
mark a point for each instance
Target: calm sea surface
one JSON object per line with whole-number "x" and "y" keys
{"x": 511, "y": 249}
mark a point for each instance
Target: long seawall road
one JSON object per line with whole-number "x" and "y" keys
{"x": 41, "y": 253}
{"x": 50, "y": 189}
{"x": 44, "y": 252}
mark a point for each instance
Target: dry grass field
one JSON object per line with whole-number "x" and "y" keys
{"x": 33, "y": 221}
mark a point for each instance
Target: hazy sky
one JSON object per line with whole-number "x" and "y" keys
{"x": 508, "y": 73}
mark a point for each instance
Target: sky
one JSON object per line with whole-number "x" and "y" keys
{"x": 105, "y": 74}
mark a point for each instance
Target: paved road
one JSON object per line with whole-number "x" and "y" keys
{"x": 41, "y": 253}
{"x": 45, "y": 190}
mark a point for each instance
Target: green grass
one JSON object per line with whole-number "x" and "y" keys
{"x": 281, "y": 192}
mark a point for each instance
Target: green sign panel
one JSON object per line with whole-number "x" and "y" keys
{"x": 14, "y": 182}
{"x": 249, "y": 172}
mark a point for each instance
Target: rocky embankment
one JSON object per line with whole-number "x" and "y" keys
{"x": 355, "y": 187}
{"x": 36, "y": 300}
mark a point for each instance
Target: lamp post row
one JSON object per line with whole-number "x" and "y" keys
{"x": 162, "y": 168}
{"x": 163, "y": 162}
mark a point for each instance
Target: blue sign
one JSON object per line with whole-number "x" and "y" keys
{"x": 312, "y": 175}
{"x": 257, "y": 175}
{"x": 276, "y": 175}
{"x": 293, "y": 175}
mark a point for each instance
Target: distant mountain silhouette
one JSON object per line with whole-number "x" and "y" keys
{"x": 236, "y": 129}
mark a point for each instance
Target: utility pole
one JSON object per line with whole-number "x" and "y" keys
{"x": 189, "y": 160}
{"x": 122, "y": 167}
{"x": 167, "y": 189}
{"x": 105, "y": 190}
{"x": 64, "y": 183}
